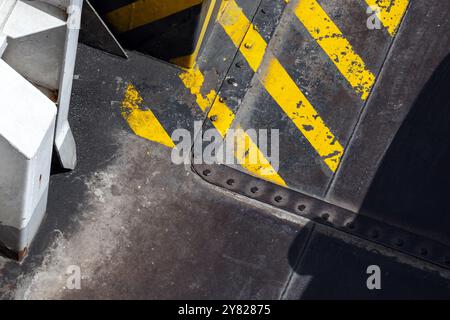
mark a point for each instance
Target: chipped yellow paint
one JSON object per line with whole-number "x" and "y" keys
{"x": 253, "y": 160}
{"x": 253, "y": 48}
{"x": 222, "y": 118}
{"x": 234, "y": 22}
{"x": 390, "y": 13}
{"x": 297, "y": 107}
{"x": 280, "y": 85}
{"x": 143, "y": 122}
{"x": 142, "y": 12}
{"x": 243, "y": 34}
{"x": 335, "y": 45}
{"x": 193, "y": 79}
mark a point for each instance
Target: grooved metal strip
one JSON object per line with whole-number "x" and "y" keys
{"x": 324, "y": 213}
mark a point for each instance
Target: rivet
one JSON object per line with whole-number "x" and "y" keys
{"x": 254, "y": 189}
{"x": 374, "y": 234}
{"x": 399, "y": 242}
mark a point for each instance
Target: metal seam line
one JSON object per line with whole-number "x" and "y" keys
{"x": 143, "y": 122}
{"x": 281, "y": 87}
{"x": 224, "y": 116}
{"x": 391, "y": 13}
{"x": 335, "y": 45}
{"x": 146, "y": 11}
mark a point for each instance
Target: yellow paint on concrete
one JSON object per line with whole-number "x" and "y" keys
{"x": 335, "y": 45}
{"x": 142, "y": 12}
{"x": 280, "y": 85}
{"x": 143, "y": 122}
{"x": 193, "y": 79}
{"x": 390, "y": 13}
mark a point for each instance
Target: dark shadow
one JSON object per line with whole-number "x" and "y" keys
{"x": 56, "y": 167}
{"x": 410, "y": 190}
{"x": 412, "y": 185}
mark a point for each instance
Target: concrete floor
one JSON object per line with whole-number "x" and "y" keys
{"x": 140, "y": 227}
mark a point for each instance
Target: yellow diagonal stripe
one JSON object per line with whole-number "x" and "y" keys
{"x": 281, "y": 87}
{"x": 390, "y": 12}
{"x": 253, "y": 160}
{"x": 142, "y": 12}
{"x": 335, "y": 45}
{"x": 294, "y": 103}
{"x": 143, "y": 122}
{"x": 222, "y": 118}
{"x": 242, "y": 31}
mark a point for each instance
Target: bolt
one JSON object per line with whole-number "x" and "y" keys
{"x": 232, "y": 82}
{"x": 213, "y": 118}
{"x": 248, "y": 45}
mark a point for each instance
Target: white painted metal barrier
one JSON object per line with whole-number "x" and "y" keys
{"x": 38, "y": 41}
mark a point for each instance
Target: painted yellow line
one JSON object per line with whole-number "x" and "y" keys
{"x": 189, "y": 60}
{"x": 297, "y": 107}
{"x": 253, "y": 160}
{"x": 391, "y": 13}
{"x": 243, "y": 34}
{"x": 142, "y": 12}
{"x": 143, "y": 122}
{"x": 222, "y": 118}
{"x": 335, "y": 45}
{"x": 281, "y": 87}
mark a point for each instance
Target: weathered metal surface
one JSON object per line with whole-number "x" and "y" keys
{"x": 321, "y": 212}
{"x": 331, "y": 72}
{"x": 301, "y": 62}
{"x": 421, "y": 45}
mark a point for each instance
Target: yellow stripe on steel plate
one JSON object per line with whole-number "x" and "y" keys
{"x": 281, "y": 87}
{"x": 143, "y": 12}
{"x": 390, "y": 12}
{"x": 223, "y": 119}
{"x": 143, "y": 122}
{"x": 335, "y": 45}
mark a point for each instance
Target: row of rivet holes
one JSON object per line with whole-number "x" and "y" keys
{"x": 326, "y": 217}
